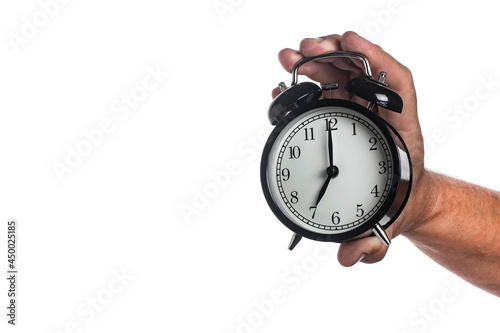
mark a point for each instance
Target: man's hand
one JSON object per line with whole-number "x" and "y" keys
{"x": 399, "y": 78}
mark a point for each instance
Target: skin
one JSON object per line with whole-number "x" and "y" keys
{"x": 455, "y": 223}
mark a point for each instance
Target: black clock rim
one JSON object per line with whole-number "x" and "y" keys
{"x": 385, "y": 130}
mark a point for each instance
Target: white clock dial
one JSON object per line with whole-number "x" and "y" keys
{"x": 330, "y": 170}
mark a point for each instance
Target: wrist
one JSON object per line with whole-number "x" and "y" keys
{"x": 423, "y": 205}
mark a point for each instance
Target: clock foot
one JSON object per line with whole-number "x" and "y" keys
{"x": 295, "y": 240}
{"x": 381, "y": 234}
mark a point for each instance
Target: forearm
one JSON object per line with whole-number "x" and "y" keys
{"x": 462, "y": 231}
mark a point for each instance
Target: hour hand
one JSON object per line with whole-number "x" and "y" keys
{"x": 323, "y": 190}
{"x": 332, "y": 172}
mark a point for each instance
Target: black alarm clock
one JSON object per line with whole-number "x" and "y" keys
{"x": 332, "y": 170}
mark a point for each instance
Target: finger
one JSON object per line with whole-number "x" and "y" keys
{"x": 327, "y": 70}
{"x": 367, "y": 250}
{"x": 315, "y": 46}
{"x": 319, "y": 72}
{"x": 276, "y": 91}
{"x": 399, "y": 78}
{"x": 311, "y": 47}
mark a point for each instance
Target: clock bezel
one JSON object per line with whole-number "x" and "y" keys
{"x": 385, "y": 130}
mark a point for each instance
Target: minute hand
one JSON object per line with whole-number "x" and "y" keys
{"x": 330, "y": 146}
{"x": 331, "y": 171}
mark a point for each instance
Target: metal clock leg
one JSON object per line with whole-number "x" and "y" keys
{"x": 381, "y": 234}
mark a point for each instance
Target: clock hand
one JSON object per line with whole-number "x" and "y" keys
{"x": 330, "y": 146}
{"x": 332, "y": 171}
{"x": 323, "y": 190}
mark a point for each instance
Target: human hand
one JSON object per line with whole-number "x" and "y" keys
{"x": 399, "y": 78}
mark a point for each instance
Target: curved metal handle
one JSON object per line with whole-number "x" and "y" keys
{"x": 334, "y": 54}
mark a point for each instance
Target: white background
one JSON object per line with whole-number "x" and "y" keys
{"x": 227, "y": 267}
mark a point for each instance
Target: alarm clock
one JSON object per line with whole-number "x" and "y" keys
{"x": 331, "y": 169}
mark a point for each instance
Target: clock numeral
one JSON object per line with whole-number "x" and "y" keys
{"x": 335, "y": 218}
{"x": 383, "y": 168}
{"x": 295, "y": 197}
{"x": 286, "y": 174}
{"x": 309, "y": 132}
{"x": 375, "y": 192}
{"x": 354, "y": 129}
{"x": 314, "y": 211}
{"x": 294, "y": 152}
{"x": 331, "y": 124}
{"x": 359, "y": 210}
{"x": 373, "y": 141}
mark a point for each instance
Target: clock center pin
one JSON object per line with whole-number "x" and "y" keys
{"x": 332, "y": 171}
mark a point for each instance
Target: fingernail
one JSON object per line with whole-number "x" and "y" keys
{"x": 319, "y": 39}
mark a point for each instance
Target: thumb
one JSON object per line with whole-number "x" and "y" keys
{"x": 368, "y": 250}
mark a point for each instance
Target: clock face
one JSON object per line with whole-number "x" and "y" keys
{"x": 330, "y": 171}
